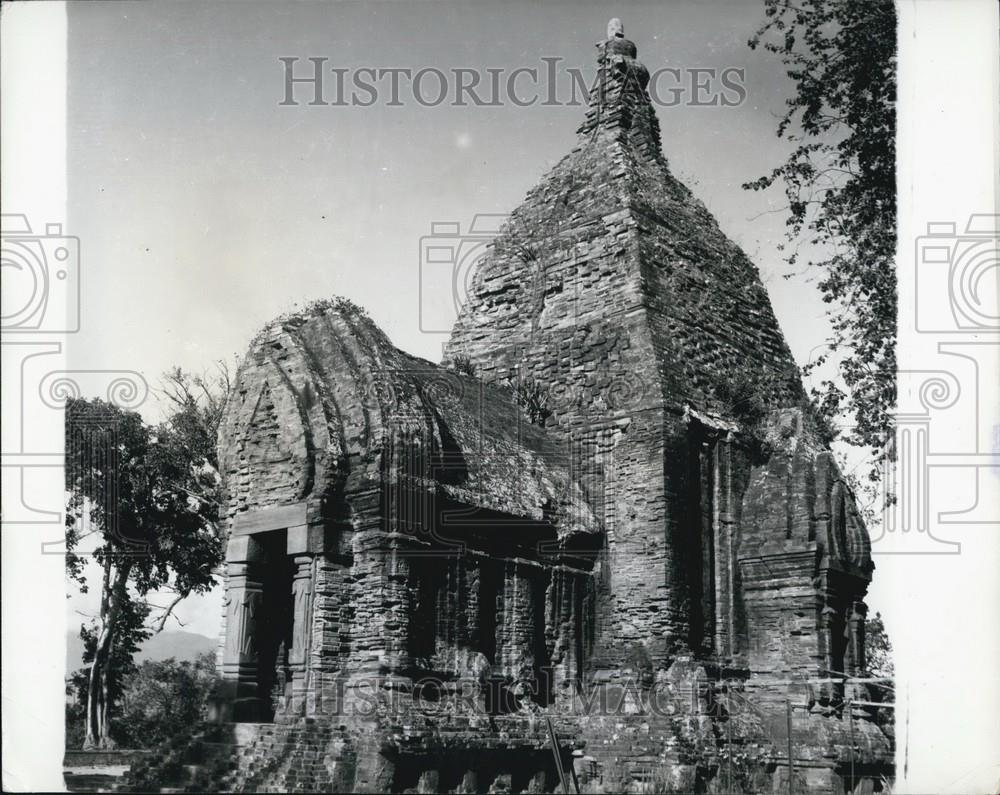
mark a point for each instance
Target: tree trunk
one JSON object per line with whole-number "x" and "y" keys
{"x": 113, "y": 593}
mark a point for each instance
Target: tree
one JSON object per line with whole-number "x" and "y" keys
{"x": 156, "y": 700}
{"x": 188, "y": 446}
{"x": 839, "y": 181}
{"x": 129, "y": 634}
{"x": 149, "y": 494}
{"x": 165, "y": 698}
{"x": 878, "y": 661}
{"x": 878, "y": 648}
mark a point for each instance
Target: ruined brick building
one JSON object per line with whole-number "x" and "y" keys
{"x": 609, "y": 506}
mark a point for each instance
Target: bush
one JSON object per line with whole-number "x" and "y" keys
{"x": 532, "y": 398}
{"x": 463, "y": 365}
{"x": 163, "y": 702}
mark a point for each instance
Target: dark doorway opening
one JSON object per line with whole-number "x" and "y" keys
{"x": 275, "y": 623}
{"x": 700, "y": 550}
{"x": 486, "y": 621}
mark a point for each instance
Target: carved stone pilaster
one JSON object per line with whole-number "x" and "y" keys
{"x": 304, "y": 544}
{"x": 243, "y": 601}
{"x": 302, "y": 601}
{"x": 516, "y": 653}
{"x": 302, "y": 590}
{"x": 398, "y": 606}
{"x": 827, "y": 621}
{"x": 856, "y": 638}
{"x": 561, "y": 606}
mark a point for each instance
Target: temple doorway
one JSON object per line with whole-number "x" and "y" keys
{"x": 274, "y": 627}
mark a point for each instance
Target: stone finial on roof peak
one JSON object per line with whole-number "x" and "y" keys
{"x": 618, "y": 100}
{"x": 616, "y": 43}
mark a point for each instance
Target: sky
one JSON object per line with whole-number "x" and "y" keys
{"x": 205, "y": 208}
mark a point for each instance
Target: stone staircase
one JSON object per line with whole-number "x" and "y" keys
{"x": 199, "y": 762}
{"x": 307, "y": 756}
{"x": 248, "y": 757}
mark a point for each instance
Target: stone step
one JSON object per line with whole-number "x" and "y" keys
{"x": 203, "y": 751}
{"x": 218, "y": 745}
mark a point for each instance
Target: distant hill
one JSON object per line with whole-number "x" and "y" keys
{"x": 180, "y": 645}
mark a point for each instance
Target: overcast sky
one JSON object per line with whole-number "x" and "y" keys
{"x": 205, "y": 208}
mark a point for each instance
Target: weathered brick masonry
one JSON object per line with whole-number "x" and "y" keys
{"x": 659, "y": 552}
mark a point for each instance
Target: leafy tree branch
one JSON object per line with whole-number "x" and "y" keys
{"x": 839, "y": 181}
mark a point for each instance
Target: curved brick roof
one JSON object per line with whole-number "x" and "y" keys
{"x": 324, "y": 405}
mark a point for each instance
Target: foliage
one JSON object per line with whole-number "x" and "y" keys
{"x": 129, "y": 636}
{"x": 142, "y": 489}
{"x": 865, "y": 494}
{"x": 156, "y": 701}
{"x": 76, "y": 713}
{"x": 615, "y": 778}
{"x": 338, "y": 304}
{"x": 149, "y": 494}
{"x": 749, "y": 396}
{"x": 164, "y": 699}
{"x": 743, "y": 765}
{"x": 532, "y": 398}
{"x": 464, "y": 365}
{"x": 840, "y": 184}
{"x": 745, "y": 746}
{"x": 197, "y": 403}
{"x": 878, "y": 661}
{"x": 878, "y": 648}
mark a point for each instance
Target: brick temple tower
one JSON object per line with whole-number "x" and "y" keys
{"x": 613, "y": 287}
{"x": 609, "y": 508}
{"x": 668, "y": 375}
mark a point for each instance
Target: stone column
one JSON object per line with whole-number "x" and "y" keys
{"x": 827, "y": 614}
{"x": 538, "y": 783}
{"x": 571, "y": 662}
{"x": 520, "y": 609}
{"x": 397, "y": 607}
{"x": 429, "y": 782}
{"x": 304, "y": 543}
{"x": 469, "y": 783}
{"x": 856, "y": 638}
{"x": 502, "y": 783}
{"x": 516, "y": 646}
{"x": 724, "y": 521}
{"x": 244, "y": 594}
{"x": 560, "y": 606}
{"x": 298, "y": 657}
